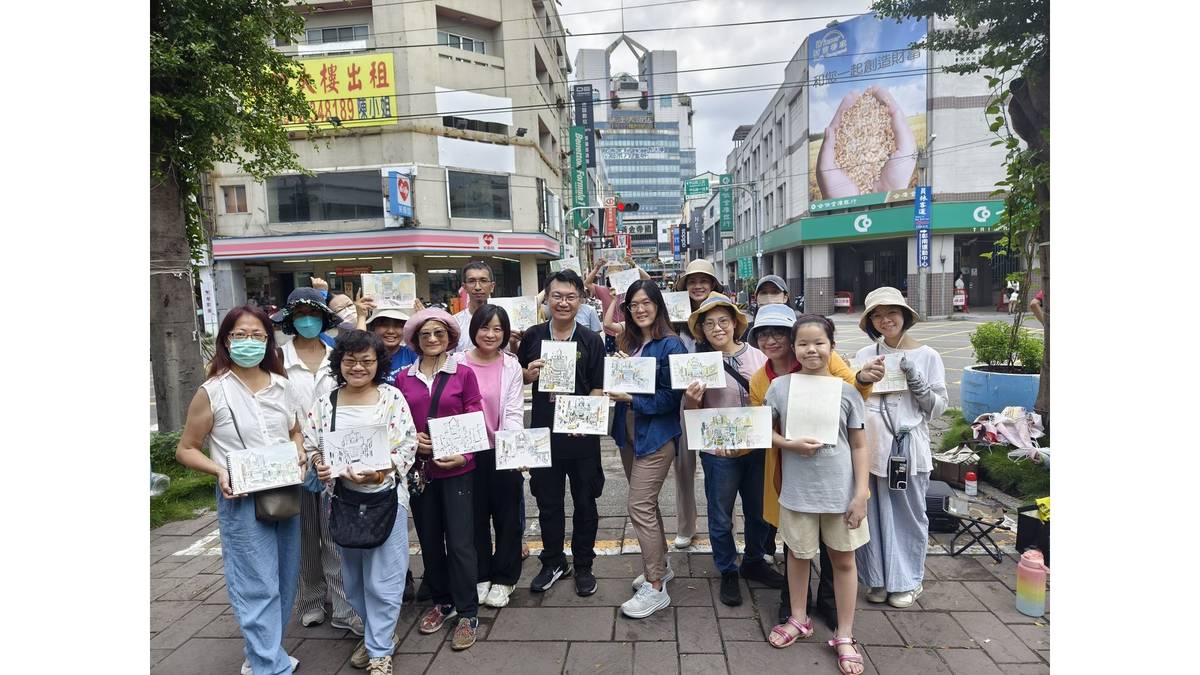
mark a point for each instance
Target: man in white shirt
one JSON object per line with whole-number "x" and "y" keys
{"x": 479, "y": 283}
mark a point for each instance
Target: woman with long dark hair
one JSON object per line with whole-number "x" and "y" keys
{"x": 248, "y": 402}
{"x": 647, "y": 429}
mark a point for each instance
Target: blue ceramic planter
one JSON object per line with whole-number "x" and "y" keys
{"x": 984, "y": 392}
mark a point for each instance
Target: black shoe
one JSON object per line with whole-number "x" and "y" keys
{"x": 546, "y": 578}
{"x": 760, "y": 571}
{"x": 410, "y": 590}
{"x": 585, "y": 582}
{"x": 423, "y": 592}
{"x": 731, "y": 590}
{"x": 785, "y": 605}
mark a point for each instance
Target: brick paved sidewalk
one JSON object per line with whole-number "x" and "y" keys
{"x": 965, "y": 622}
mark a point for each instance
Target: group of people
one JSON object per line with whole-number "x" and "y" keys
{"x": 391, "y": 367}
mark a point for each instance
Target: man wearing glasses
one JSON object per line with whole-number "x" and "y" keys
{"x": 574, "y": 457}
{"x": 479, "y": 284}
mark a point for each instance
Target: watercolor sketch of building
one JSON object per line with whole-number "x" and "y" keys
{"x": 258, "y": 469}
{"x": 728, "y": 428}
{"x": 704, "y": 367}
{"x": 679, "y": 307}
{"x": 458, "y": 434}
{"x": 634, "y": 375}
{"x": 581, "y": 415}
{"x": 361, "y": 448}
{"x": 558, "y": 369}
{"x": 523, "y": 448}
{"x": 522, "y": 311}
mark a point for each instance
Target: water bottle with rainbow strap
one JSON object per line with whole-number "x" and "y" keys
{"x": 1031, "y": 583}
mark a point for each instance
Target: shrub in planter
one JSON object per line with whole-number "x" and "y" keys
{"x": 994, "y": 346}
{"x": 1008, "y": 371}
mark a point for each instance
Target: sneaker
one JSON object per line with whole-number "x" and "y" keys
{"x": 359, "y": 658}
{"x": 546, "y": 578}
{"x": 313, "y": 617}
{"x": 877, "y": 595}
{"x": 763, "y": 573}
{"x": 498, "y": 596}
{"x": 481, "y": 590}
{"x": 433, "y": 619}
{"x": 645, "y": 602}
{"x": 353, "y": 624}
{"x": 905, "y": 599}
{"x": 464, "y": 633}
{"x": 410, "y": 588}
{"x": 682, "y": 541}
{"x": 585, "y": 582}
{"x": 380, "y": 666}
{"x": 247, "y": 670}
{"x": 641, "y": 578}
{"x": 731, "y": 590}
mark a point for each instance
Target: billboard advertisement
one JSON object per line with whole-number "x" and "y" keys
{"x": 359, "y": 90}
{"x": 866, "y": 108}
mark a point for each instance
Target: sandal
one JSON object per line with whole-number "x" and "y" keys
{"x": 846, "y": 658}
{"x": 804, "y": 630}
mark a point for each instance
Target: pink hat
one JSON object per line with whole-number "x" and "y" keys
{"x": 417, "y": 320}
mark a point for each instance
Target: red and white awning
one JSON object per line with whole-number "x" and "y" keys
{"x": 389, "y": 241}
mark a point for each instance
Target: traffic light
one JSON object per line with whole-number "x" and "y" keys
{"x": 627, "y": 208}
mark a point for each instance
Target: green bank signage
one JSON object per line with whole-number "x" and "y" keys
{"x": 579, "y": 188}
{"x": 947, "y": 217}
{"x": 862, "y": 200}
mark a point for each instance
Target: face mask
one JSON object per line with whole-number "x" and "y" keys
{"x": 308, "y": 326}
{"x": 247, "y": 353}
{"x": 348, "y": 313}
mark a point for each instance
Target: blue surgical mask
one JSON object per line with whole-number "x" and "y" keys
{"x": 308, "y": 326}
{"x": 247, "y": 353}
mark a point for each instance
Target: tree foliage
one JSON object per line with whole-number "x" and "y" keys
{"x": 219, "y": 91}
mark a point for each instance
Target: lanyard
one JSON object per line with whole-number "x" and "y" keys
{"x": 570, "y": 338}
{"x": 898, "y": 445}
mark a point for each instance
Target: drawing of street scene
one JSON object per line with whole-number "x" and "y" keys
{"x": 634, "y": 375}
{"x": 558, "y": 372}
{"x": 457, "y": 434}
{"x": 704, "y": 367}
{"x": 363, "y": 448}
{"x": 728, "y": 428}
{"x": 397, "y": 289}
{"x": 522, "y": 311}
{"x": 679, "y": 307}
{"x": 256, "y": 469}
{"x": 522, "y": 448}
{"x": 581, "y": 415}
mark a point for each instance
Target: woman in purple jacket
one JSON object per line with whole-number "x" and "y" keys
{"x": 443, "y": 510}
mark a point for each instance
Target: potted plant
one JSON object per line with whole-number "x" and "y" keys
{"x": 1008, "y": 372}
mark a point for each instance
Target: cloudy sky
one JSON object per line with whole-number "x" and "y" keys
{"x": 716, "y": 116}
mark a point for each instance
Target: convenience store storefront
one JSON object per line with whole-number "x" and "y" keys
{"x": 854, "y": 253}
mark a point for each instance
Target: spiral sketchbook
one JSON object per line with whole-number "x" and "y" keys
{"x": 258, "y": 469}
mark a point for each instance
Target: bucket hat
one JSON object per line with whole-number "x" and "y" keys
{"x": 777, "y": 315}
{"x": 698, "y": 266}
{"x": 304, "y": 296}
{"x": 884, "y": 295}
{"x": 772, "y": 279}
{"x": 432, "y": 314}
{"x": 715, "y": 300}
{"x": 388, "y": 313}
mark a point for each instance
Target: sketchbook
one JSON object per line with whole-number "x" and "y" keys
{"x": 702, "y": 366}
{"x": 893, "y": 378}
{"x": 360, "y": 448}
{"x": 679, "y": 306}
{"x": 728, "y": 428}
{"x": 633, "y": 375}
{"x": 621, "y": 281}
{"x": 457, "y": 434}
{"x": 523, "y": 448}
{"x": 258, "y": 469}
{"x": 521, "y": 310}
{"x": 581, "y": 415}
{"x": 566, "y": 264}
{"x": 558, "y": 370}
{"x": 814, "y": 407}
{"x": 397, "y": 289}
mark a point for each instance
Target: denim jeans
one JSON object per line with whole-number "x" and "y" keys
{"x": 262, "y": 571}
{"x": 374, "y": 583}
{"x": 724, "y": 479}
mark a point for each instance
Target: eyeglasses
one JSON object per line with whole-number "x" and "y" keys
{"x": 435, "y": 335}
{"x": 646, "y": 304}
{"x": 258, "y": 337}
{"x": 772, "y": 334}
{"x": 558, "y": 297}
{"x": 477, "y": 282}
{"x": 710, "y": 324}
{"x": 365, "y": 363}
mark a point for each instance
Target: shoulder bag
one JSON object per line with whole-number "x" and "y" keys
{"x": 274, "y": 505}
{"x": 359, "y": 519}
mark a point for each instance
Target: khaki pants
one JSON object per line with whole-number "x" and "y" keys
{"x": 685, "y": 490}
{"x": 646, "y": 477}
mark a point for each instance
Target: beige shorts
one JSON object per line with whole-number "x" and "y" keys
{"x": 800, "y": 531}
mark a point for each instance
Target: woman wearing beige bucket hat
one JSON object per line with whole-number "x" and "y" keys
{"x": 892, "y": 565}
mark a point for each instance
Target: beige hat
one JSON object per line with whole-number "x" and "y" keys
{"x": 715, "y": 300}
{"x": 698, "y": 266}
{"x": 884, "y": 295}
{"x": 388, "y": 313}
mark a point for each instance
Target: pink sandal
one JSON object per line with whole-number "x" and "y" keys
{"x": 842, "y": 658}
{"x": 805, "y": 630}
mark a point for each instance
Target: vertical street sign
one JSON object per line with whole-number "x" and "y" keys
{"x": 726, "y": 203}
{"x": 579, "y": 187}
{"x": 921, "y": 222}
{"x": 585, "y": 117}
{"x": 610, "y": 216}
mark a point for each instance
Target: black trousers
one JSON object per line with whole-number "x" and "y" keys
{"x": 498, "y": 500}
{"x": 823, "y": 601}
{"x": 444, "y": 514}
{"x": 587, "y": 483}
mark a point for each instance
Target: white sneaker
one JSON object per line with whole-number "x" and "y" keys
{"x": 877, "y": 595}
{"x": 682, "y": 541}
{"x": 481, "y": 589}
{"x": 667, "y": 576}
{"x": 247, "y": 670}
{"x": 313, "y": 617}
{"x": 905, "y": 599}
{"x": 645, "y": 602}
{"x": 498, "y": 596}
{"x": 354, "y": 624}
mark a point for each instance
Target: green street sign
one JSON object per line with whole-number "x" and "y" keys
{"x": 579, "y": 187}
{"x": 726, "y": 203}
{"x": 745, "y": 268}
{"x": 697, "y": 187}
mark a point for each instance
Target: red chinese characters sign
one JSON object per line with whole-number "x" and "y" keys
{"x": 358, "y": 90}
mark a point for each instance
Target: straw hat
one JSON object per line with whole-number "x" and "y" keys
{"x": 714, "y": 300}
{"x": 698, "y": 266}
{"x": 432, "y": 314}
{"x": 884, "y": 295}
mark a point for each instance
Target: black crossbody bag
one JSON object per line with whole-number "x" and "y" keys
{"x": 359, "y": 519}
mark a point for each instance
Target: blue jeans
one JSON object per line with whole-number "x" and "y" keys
{"x": 374, "y": 583}
{"x": 262, "y": 571}
{"x": 724, "y": 479}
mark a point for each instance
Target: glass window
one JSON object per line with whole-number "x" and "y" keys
{"x": 455, "y": 41}
{"x": 360, "y": 32}
{"x": 313, "y": 36}
{"x": 478, "y": 195}
{"x": 349, "y": 195}
{"x": 665, "y": 101}
{"x": 468, "y": 44}
{"x": 443, "y": 38}
{"x": 235, "y": 198}
{"x": 329, "y": 35}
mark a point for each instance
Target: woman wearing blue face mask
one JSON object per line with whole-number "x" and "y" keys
{"x": 248, "y": 402}
{"x": 306, "y": 364}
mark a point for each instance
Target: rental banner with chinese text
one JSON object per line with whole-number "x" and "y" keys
{"x": 359, "y": 90}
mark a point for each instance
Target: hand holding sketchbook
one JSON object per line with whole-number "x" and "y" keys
{"x": 728, "y": 428}
{"x": 265, "y": 468}
{"x": 522, "y": 448}
{"x": 814, "y": 407}
{"x": 396, "y": 289}
{"x": 558, "y": 372}
{"x": 621, "y": 281}
{"x": 703, "y": 367}
{"x": 633, "y": 375}
{"x": 893, "y": 378}
{"x": 521, "y": 310}
{"x": 679, "y": 306}
{"x": 581, "y": 415}
{"x": 458, "y": 434}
